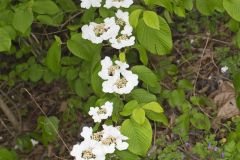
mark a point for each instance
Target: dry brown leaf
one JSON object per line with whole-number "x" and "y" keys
{"x": 225, "y": 99}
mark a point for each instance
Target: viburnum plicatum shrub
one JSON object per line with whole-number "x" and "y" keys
{"x": 117, "y": 78}
{"x": 95, "y": 48}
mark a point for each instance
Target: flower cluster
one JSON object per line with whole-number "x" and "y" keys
{"x": 117, "y": 78}
{"x": 117, "y": 30}
{"x": 99, "y": 114}
{"x": 97, "y": 145}
{"x": 108, "y": 4}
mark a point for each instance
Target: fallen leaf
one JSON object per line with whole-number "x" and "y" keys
{"x": 225, "y": 99}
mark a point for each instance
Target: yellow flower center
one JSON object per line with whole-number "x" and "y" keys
{"x": 99, "y": 29}
{"x": 120, "y": 22}
{"x": 112, "y": 70}
{"x": 121, "y": 82}
{"x": 97, "y": 136}
{"x": 102, "y": 111}
{"x": 87, "y": 154}
{"x": 109, "y": 140}
{"x": 122, "y": 37}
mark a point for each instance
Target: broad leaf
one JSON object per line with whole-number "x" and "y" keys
{"x": 138, "y": 115}
{"x": 146, "y": 75}
{"x": 143, "y": 96}
{"x": 200, "y": 121}
{"x": 151, "y": 19}
{"x": 140, "y": 136}
{"x": 129, "y": 107}
{"x": 22, "y": 20}
{"x": 53, "y": 58}
{"x": 153, "y": 106}
{"x": 156, "y": 41}
{"x": 134, "y": 17}
{"x": 45, "y": 7}
{"x": 233, "y": 8}
{"x": 82, "y": 48}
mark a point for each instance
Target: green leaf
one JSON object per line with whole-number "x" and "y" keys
{"x": 236, "y": 81}
{"x": 134, "y": 17}
{"x": 207, "y": 7}
{"x": 81, "y": 88}
{"x": 155, "y": 41}
{"x": 164, "y": 3}
{"x": 96, "y": 81}
{"x": 180, "y": 11}
{"x": 45, "y": 7}
{"x": 129, "y": 107}
{"x": 140, "y": 136}
{"x": 5, "y": 40}
{"x": 53, "y": 58}
{"x": 146, "y": 75}
{"x": 126, "y": 155}
{"x": 185, "y": 84}
{"x": 82, "y": 48}
{"x": 138, "y": 115}
{"x": 200, "y": 121}
{"x": 158, "y": 117}
{"x": 48, "y": 20}
{"x": 143, "y": 96}
{"x": 177, "y": 97}
{"x": 67, "y": 5}
{"x": 142, "y": 54}
{"x": 104, "y": 12}
{"x": 188, "y": 4}
{"x": 238, "y": 39}
{"x": 49, "y": 128}
{"x": 22, "y": 20}
{"x": 233, "y": 8}
{"x": 182, "y": 126}
{"x": 35, "y": 72}
{"x": 153, "y": 106}
{"x": 7, "y": 155}
{"x": 151, "y": 19}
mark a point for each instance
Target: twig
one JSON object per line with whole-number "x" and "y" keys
{"x": 39, "y": 107}
{"x": 5, "y": 126}
{"x": 70, "y": 19}
{"x": 9, "y": 114}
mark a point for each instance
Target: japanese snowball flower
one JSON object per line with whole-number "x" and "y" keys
{"x": 90, "y": 3}
{"x": 123, "y": 21}
{"x": 100, "y": 113}
{"x": 112, "y": 138}
{"x": 88, "y": 150}
{"x": 87, "y": 133}
{"x": 122, "y": 41}
{"x": 122, "y": 84}
{"x": 109, "y": 69}
{"x": 118, "y": 3}
{"x": 97, "y": 33}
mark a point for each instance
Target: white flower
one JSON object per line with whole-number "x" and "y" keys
{"x": 224, "y": 69}
{"x": 87, "y": 133}
{"x": 97, "y": 33}
{"x": 109, "y": 69}
{"x": 122, "y": 41}
{"x": 88, "y": 150}
{"x": 122, "y": 84}
{"x": 112, "y": 138}
{"x": 123, "y": 21}
{"x": 90, "y": 3}
{"x": 34, "y": 142}
{"x": 118, "y": 3}
{"x": 100, "y": 113}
